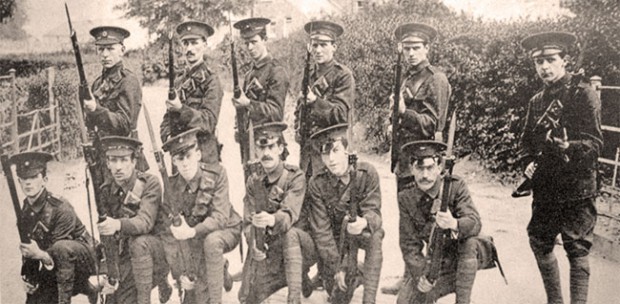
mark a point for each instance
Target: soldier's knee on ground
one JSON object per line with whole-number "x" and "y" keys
{"x": 213, "y": 245}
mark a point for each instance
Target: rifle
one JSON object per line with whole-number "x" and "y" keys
{"x": 303, "y": 124}
{"x": 96, "y": 168}
{"x": 172, "y": 94}
{"x": 395, "y": 115}
{"x": 30, "y": 267}
{"x": 347, "y": 245}
{"x": 549, "y": 121}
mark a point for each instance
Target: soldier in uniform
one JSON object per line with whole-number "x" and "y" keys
{"x": 117, "y": 92}
{"x": 423, "y": 104}
{"x": 60, "y": 256}
{"x": 331, "y": 91}
{"x": 329, "y": 199}
{"x": 266, "y": 84}
{"x": 273, "y": 208}
{"x": 564, "y": 171}
{"x": 208, "y": 220}
{"x": 463, "y": 254}
{"x": 132, "y": 201}
{"x": 199, "y": 92}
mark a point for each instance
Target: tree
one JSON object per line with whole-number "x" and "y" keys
{"x": 160, "y": 15}
{"x": 12, "y": 18}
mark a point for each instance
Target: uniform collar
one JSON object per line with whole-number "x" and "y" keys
{"x": 193, "y": 183}
{"x": 127, "y": 185}
{"x": 416, "y": 69}
{"x": 560, "y": 82}
{"x": 322, "y": 68}
{"x": 262, "y": 62}
{"x": 38, "y": 203}
{"x": 344, "y": 179}
{"x": 114, "y": 72}
{"x": 275, "y": 176}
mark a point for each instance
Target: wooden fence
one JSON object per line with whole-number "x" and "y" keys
{"x": 43, "y": 133}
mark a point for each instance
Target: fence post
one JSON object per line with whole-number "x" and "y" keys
{"x": 53, "y": 108}
{"x": 596, "y": 82}
{"x": 14, "y": 130}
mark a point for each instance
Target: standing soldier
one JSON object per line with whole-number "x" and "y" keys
{"x": 208, "y": 220}
{"x": 331, "y": 91}
{"x": 423, "y": 103}
{"x": 330, "y": 199}
{"x": 133, "y": 204}
{"x": 463, "y": 253}
{"x": 200, "y": 94}
{"x": 266, "y": 84}
{"x": 279, "y": 238}
{"x": 60, "y": 246}
{"x": 563, "y": 174}
{"x": 117, "y": 92}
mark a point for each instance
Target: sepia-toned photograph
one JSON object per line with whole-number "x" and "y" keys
{"x": 309, "y": 151}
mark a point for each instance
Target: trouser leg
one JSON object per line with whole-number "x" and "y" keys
{"x": 142, "y": 264}
{"x": 70, "y": 257}
{"x": 466, "y": 268}
{"x": 372, "y": 265}
{"x": 215, "y": 245}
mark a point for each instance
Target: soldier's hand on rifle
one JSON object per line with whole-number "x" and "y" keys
{"x": 445, "y": 220}
{"x": 29, "y": 288}
{"x": 340, "y": 278}
{"x": 561, "y": 143}
{"x": 530, "y": 169}
{"x": 186, "y": 283}
{"x": 258, "y": 254}
{"x": 32, "y": 251}
{"x": 424, "y": 285}
{"x": 241, "y": 102}
{"x": 183, "y": 231}
{"x": 174, "y": 104}
{"x": 356, "y": 228}
{"x": 108, "y": 288}
{"x": 401, "y": 103}
{"x": 90, "y": 105}
{"x": 311, "y": 96}
{"x": 109, "y": 226}
{"x": 263, "y": 220}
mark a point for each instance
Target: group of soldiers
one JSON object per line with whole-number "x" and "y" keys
{"x": 297, "y": 216}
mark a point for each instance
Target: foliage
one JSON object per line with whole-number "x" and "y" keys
{"x": 12, "y": 18}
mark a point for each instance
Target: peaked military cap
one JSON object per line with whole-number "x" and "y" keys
{"x": 323, "y": 30}
{"x": 120, "y": 145}
{"x": 548, "y": 43}
{"x": 324, "y": 139}
{"x": 415, "y": 32}
{"x": 182, "y": 142}
{"x": 29, "y": 164}
{"x": 109, "y": 34}
{"x": 252, "y": 26}
{"x": 194, "y": 29}
{"x": 268, "y": 133}
{"x": 421, "y": 149}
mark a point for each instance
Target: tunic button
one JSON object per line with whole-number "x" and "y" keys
{"x": 31, "y": 213}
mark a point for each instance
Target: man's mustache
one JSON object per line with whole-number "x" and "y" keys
{"x": 266, "y": 158}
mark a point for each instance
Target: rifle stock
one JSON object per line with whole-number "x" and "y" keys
{"x": 395, "y": 108}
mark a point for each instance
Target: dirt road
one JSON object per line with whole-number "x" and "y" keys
{"x": 503, "y": 217}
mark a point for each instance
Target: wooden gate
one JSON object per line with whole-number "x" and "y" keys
{"x": 40, "y": 127}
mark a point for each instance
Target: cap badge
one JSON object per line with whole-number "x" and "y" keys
{"x": 104, "y": 34}
{"x": 26, "y": 163}
{"x": 189, "y": 28}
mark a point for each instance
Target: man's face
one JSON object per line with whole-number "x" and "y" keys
{"x": 337, "y": 159}
{"x": 121, "y": 167}
{"x": 550, "y": 68}
{"x": 194, "y": 49}
{"x": 415, "y": 52}
{"x": 33, "y": 185}
{"x": 322, "y": 50}
{"x": 110, "y": 54}
{"x": 269, "y": 155}
{"x": 187, "y": 162}
{"x": 426, "y": 171}
{"x": 256, "y": 46}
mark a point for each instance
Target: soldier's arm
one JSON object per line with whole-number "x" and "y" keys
{"x": 144, "y": 221}
{"x": 411, "y": 243}
{"x": 289, "y": 212}
{"x": 587, "y": 146}
{"x": 334, "y": 108}
{"x": 220, "y": 203}
{"x": 321, "y": 228}
{"x": 370, "y": 205}
{"x": 464, "y": 210}
{"x": 529, "y": 142}
{"x": 203, "y": 112}
{"x": 272, "y": 108}
{"x": 122, "y": 121}
{"x": 426, "y": 119}
{"x": 64, "y": 222}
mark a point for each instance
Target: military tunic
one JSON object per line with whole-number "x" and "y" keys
{"x": 266, "y": 85}
{"x": 329, "y": 199}
{"x": 416, "y": 223}
{"x": 53, "y": 224}
{"x": 203, "y": 202}
{"x": 290, "y": 247}
{"x": 142, "y": 263}
{"x": 201, "y": 94}
{"x": 334, "y": 86}
{"x": 564, "y": 192}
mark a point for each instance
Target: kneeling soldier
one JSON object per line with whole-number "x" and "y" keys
{"x": 132, "y": 201}
{"x": 463, "y": 253}
{"x": 330, "y": 198}
{"x": 274, "y": 224}
{"x": 60, "y": 257}
{"x": 208, "y": 221}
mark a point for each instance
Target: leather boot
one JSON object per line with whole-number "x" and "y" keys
{"x": 579, "y": 279}
{"x": 228, "y": 280}
{"x": 550, "y": 272}
{"x": 394, "y": 288}
{"x": 465, "y": 276}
